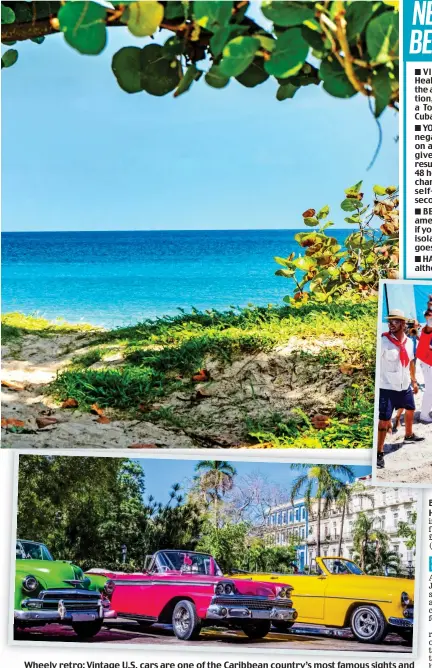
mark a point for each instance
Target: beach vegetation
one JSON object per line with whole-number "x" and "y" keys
{"x": 326, "y": 270}
{"x": 15, "y": 325}
{"x": 346, "y": 48}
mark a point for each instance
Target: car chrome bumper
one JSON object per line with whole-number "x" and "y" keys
{"x": 221, "y": 612}
{"x": 61, "y": 615}
{"x": 401, "y": 622}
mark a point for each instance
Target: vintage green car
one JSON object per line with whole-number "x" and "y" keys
{"x": 48, "y": 591}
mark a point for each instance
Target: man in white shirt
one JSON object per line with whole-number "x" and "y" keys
{"x": 398, "y": 383}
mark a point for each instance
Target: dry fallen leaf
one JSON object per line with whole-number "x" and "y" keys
{"x": 201, "y": 377}
{"x": 102, "y": 419}
{"x": 70, "y": 403}
{"x": 45, "y": 422}
{"x": 97, "y": 409}
{"x": 10, "y": 422}
{"x": 15, "y": 387}
{"x": 320, "y": 421}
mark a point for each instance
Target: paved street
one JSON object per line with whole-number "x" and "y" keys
{"x": 303, "y": 638}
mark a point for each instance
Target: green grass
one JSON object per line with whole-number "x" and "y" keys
{"x": 159, "y": 354}
{"x": 16, "y": 325}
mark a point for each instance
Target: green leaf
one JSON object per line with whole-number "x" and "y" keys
{"x": 311, "y": 222}
{"x": 254, "y": 75}
{"x": 83, "y": 25}
{"x": 382, "y": 37}
{"x": 192, "y": 74}
{"x": 287, "y": 14}
{"x": 126, "y": 65}
{"x": 212, "y": 15}
{"x": 286, "y": 273}
{"x": 238, "y": 54}
{"x": 174, "y": 10}
{"x": 289, "y": 54}
{"x": 348, "y": 267}
{"x": 353, "y": 220}
{"x": 349, "y": 205}
{"x": 7, "y": 16}
{"x": 324, "y": 212}
{"x": 304, "y": 263}
{"x": 379, "y": 190}
{"x": 145, "y": 69}
{"x": 382, "y": 89}
{"x": 9, "y": 58}
{"x": 314, "y": 38}
{"x": 173, "y": 47}
{"x": 335, "y": 80}
{"x": 326, "y": 225}
{"x": 267, "y": 41}
{"x": 357, "y": 16}
{"x": 355, "y": 189}
{"x": 215, "y": 78}
{"x": 286, "y": 92}
{"x": 144, "y": 18}
{"x": 38, "y": 40}
{"x": 222, "y": 36}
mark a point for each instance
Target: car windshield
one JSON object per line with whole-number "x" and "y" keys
{"x": 185, "y": 562}
{"x": 342, "y": 567}
{"x": 26, "y": 549}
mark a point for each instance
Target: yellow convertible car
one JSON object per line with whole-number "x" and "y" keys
{"x": 340, "y": 594}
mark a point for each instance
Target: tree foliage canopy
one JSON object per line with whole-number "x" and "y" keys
{"x": 347, "y": 47}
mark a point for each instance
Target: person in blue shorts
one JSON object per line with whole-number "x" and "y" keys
{"x": 398, "y": 383}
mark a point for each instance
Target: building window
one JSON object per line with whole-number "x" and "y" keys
{"x": 395, "y": 519}
{"x": 303, "y": 513}
{"x": 302, "y": 532}
{"x": 291, "y": 516}
{"x": 297, "y": 514}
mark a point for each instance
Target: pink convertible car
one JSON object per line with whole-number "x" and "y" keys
{"x": 189, "y": 591}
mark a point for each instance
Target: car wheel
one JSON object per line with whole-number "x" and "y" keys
{"x": 256, "y": 630}
{"x": 185, "y": 621}
{"x": 283, "y": 626}
{"x": 85, "y": 630}
{"x": 368, "y": 624}
{"x": 406, "y": 634}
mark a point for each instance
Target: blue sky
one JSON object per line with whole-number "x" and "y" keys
{"x": 162, "y": 473}
{"x": 80, "y": 154}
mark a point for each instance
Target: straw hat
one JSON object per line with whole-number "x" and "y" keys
{"x": 396, "y": 314}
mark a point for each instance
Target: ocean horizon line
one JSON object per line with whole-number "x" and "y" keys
{"x": 253, "y": 229}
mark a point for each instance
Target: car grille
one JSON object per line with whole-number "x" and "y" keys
{"x": 254, "y": 603}
{"x": 73, "y": 599}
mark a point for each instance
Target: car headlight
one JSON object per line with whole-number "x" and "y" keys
{"x": 109, "y": 588}
{"x": 30, "y": 583}
{"x": 285, "y": 592}
{"x": 405, "y": 599}
{"x": 219, "y": 588}
{"x": 228, "y": 588}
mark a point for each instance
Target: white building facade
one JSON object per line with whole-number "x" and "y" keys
{"x": 387, "y": 506}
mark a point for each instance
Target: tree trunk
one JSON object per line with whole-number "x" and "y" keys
{"x": 341, "y": 530}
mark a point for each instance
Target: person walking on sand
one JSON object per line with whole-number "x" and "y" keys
{"x": 424, "y": 355}
{"x": 398, "y": 382}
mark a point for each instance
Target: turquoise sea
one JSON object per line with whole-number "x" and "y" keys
{"x": 118, "y": 278}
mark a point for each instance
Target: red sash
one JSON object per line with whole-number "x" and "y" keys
{"x": 403, "y": 353}
{"x": 424, "y": 352}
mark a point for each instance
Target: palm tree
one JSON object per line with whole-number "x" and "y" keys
{"x": 372, "y": 547}
{"x": 345, "y": 496}
{"x": 214, "y": 479}
{"x": 321, "y": 484}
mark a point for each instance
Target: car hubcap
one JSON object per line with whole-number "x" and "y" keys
{"x": 182, "y": 620}
{"x": 366, "y": 624}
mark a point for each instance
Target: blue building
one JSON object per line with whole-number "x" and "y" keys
{"x": 289, "y": 523}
